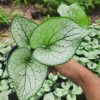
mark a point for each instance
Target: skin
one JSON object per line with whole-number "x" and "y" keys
{"x": 89, "y": 82}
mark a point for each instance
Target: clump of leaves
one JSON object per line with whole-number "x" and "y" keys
{"x": 4, "y": 81}
{"x": 89, "y": 50}
{"x": 50, "y": 43}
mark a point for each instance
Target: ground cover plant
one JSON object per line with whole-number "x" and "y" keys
{"x": 48, "y": 44}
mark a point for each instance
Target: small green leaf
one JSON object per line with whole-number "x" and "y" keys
{"x": 76, "y": 90}
{"x": 71, "y": 97}
{"x": 46, "y": 87}
{"x": 58, "y": 92}
{"x": 91, "y": 65}
{"x": 97, "y": 2}
{"x": 49, "y": 96}
{"x": 53, "y": 77}
{"x": 26, "y": 73}
{"x": 66, "y": 85}
{"x": 3, "y": 96}
{"x": 21, "y": 30}
{"x": 75, "y": 12}
{"x": 56, "y": 40}
{"x": 49, "y": 82}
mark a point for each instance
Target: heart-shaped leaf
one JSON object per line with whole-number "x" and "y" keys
{"x": 56, "y": 40}
{"x": 51, "y": 96}
{"x": 27, "y": 74}
{"x": 75, "y": 12}
{"x": 21, "y": 30}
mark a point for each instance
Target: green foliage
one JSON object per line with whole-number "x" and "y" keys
{"x": 50, "y": 5}
{"x": 4, "y": 81}
{"x": 60, "y": 89}
{"x": 97, "y": 2}
{"x": 4, "y": 17}
{"x": 26, "y": 1}
{"x": 72, "y": 1}
{"x": 53, "y": 3}
{"x": 51, "y": 96}
{"x": 21, "y": 1}
{"x": 86, "y": 4}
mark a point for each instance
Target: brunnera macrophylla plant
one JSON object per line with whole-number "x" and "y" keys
{"x": 51, "y": 43}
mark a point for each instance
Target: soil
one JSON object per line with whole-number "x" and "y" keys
{"x": 95, "y": 16}
{"x": 24, "y": 9}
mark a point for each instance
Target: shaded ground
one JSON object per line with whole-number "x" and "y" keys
{"x": 95, "y": 15}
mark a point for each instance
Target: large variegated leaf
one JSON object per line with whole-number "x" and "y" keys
{"x": 26, "y": 73}
{"x": 56, "y": 40}
{"x": 21, "y": 30}
{"x": 75, "y": 12}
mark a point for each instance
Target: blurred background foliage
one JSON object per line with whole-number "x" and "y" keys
{"x": 88, "y": 5}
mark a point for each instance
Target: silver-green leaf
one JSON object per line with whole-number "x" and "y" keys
{"x": 27, "y": 74}
{"x": 56, "y": 40}
{"x": 21, "y": 30}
